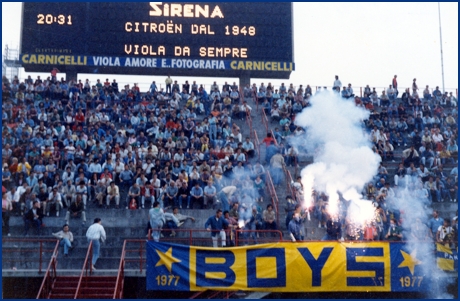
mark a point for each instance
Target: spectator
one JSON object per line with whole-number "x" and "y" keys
{"x": 276, "y": 168}
{"x": 394, "y": 231}
{"x": 444, "y": 233}
{"x": 333, "y": 229}
{"x": 296, "y": 228}
{"x": 96, "y": 234}
{"x": 65, "y": 239}
{"x": 133, "y": 194}
{"x": 337, "y": 84}
{"x": 269, "y": 217}
{"x": 6, "y": 211}
{"x": 210, "y": 193}
{"x": 33, "y": 217}
{"x": 434, "y": 223}
{"x": 76, "y": 210}
{"x": 419, "y": 231}
{"x": 217, "y": 224}
{"x": 113, "y": 194}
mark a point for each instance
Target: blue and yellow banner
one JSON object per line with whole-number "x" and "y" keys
{"x": 286, "y": 267}
{"x": 151, "y": 62}
{"x": 446, "y": 258}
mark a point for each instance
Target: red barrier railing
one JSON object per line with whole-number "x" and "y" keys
{"x": 249, "y": 122}
{"x": 41, "y": 249}
{"x": 186, "y": 237}
{"x": 118, "y": 294}
{"x": 265, "y": 120}
{"x": 88, "y": 258}
{"x": 257, "y": 144}
{"x": 212, "y": 295}
{"x": 273, "y": 195}
{"x": 50, "y": 275}
{"x": 190, "y": 236}
{"x": 289, "y": 180}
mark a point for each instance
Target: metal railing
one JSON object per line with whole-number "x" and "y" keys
{"x": 264, "y": 120}
{"x": 273, "y": 195}
{"x": 89, "y": 255}
{"x": 50, "y": 275}
{"x": 257, "y": 144}
{"x": 289, "y": 188}
{"x": 192, "y": 237}
{"x": 212, "y": 295}
{"x": 17, "y": 250}
{"x": 118, "y": 293}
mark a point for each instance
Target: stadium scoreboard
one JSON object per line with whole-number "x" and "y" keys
{"x": 201, "y": 39}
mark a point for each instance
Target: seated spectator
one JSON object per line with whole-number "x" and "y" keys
{"x": 33, "y": 217}
{"x": 54, "y": 200}
{"x": 269, "y": 216}
{"x": 65, "y": 239}
{"x": 113, "y": 194}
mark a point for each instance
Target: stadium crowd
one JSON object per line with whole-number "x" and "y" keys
{"x": 72, "y": 144}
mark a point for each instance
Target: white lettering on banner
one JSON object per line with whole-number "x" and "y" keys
{"x": 197, "y": 64}
{"x": 106, "y": 61}
{"x": 163, "y": 64}
{"x": 175, "y": 10}
{"x": 144, "y": 49}
{"x": 141, "y": 62}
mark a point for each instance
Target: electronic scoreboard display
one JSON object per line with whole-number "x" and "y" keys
{"x": 159, "y": 38}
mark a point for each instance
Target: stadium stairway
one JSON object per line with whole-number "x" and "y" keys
{"x": 94, "y": 287}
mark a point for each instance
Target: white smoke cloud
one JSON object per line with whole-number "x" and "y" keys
{"x": 413, "y": 208}
{"x": 345, "y": 162}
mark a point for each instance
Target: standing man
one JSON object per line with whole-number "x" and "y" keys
{"x": 434, "y": 223}
{"x": 295, "y": 228}
{"x": 168, "y": 83}
{"x": 54, "y": 73}
{"x": 337, "y": 84}
{"x": 34, "y": 216}
{"x": 395, "y": 85}
{"x": 96, "y": 233}
{"x": 217, "y": 224}
{"x": 225, "y": 194}
{"x": 276, "y": 168}
{"x": 333, "y": 229}
{"x": 157, "y": 220}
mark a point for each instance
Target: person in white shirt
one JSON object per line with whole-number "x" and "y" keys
{"x": 337, "y": 84}
{"x": 65, "y": 238}
{"x": 95, "y": 167}
{"x": 54, "y": 199}
{"x": 96, "y": 234}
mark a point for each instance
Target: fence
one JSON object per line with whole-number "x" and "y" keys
{"x": 257, "y": 144}
{"x": 86, "y": 270}
{"x": 23, "y": 254}
{"x": 273, "y": 196}
{"x": 50, "y": 275}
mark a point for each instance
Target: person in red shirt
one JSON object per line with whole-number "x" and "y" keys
{"x": 267, "y": 140}
{"x": 171, "y": 124}
{"x": 106, "y": 83}
{"x": 80, "y": 118}
{"x": 54, "y": 74}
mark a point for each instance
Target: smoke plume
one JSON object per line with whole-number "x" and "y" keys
{"x": 343, "y": 160}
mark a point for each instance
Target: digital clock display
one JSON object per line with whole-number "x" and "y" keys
{"x": 259, "y": 32}
{"x": 50, "y": 19}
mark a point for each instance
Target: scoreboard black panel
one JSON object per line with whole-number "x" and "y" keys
{"x": 254, "y": 38}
